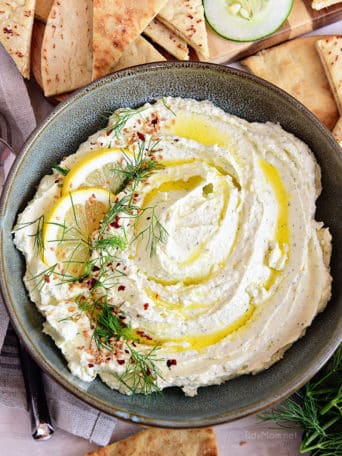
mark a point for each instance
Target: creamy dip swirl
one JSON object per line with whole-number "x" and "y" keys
{"x": 242, "y": 269}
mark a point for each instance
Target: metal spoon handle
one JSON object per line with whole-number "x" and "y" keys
{"x": 42, "y": 428}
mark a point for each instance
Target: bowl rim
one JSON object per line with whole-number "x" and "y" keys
{"x": 291, "y": 386}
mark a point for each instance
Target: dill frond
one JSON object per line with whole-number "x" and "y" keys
{"x": 155, "y": 232}
{"x": 61, "y": 170}
{"x": 317, "y": 408}
{"x": 141, "y": 373}
{"x": 37, "y": 235}
{"x": 121, "y": 117}
{"x": 167, "y": 106}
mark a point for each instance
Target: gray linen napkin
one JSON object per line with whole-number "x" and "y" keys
{"x": 68, "y": 412}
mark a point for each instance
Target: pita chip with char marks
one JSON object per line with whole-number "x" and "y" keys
{"x": 16, "y": 22}
{"x": 116, "y": 25}
{"x": 167, "y": 39}
{"x": 320, "y": 4}
{"x": 164, "y": 442}
{"x": 139, "y": 52}
{"x": 330, "y": 51}
{"x": 295, "y": 67}
{"x": 66, "y": 48}
{"x": 186, "y": 18}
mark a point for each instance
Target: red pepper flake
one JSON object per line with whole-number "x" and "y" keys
{"x": 141, "y": 136}
{"x": 46, "y": 278}
{"x": 90, "y": 365}
{"x": 146, "y": 305}
{"x": 171, "y": 362}
{"x": 121, "y": 361}
{"x": 121, "y": 287}
{"x": 92, "y": 282}
{"x": 148, "y": 371}
{"x": 115, "y": 223}
{"x": 144, "y": 335}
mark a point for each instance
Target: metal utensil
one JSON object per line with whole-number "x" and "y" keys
{"x": 42, "y": 428}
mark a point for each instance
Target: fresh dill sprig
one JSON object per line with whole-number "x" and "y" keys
{"x": 38, "y": 234}
{"x": 142, "y": 372}
{"x": 61, "y": 170}
{"x": 317, "y": 408}
{"x": 113, "y": 241}
{"x": 121, "y": 117}
{"x": 167, "y": 106}
{"x": 139, "y": 166}
{"x": 110, "y": 324}
{"x": 42, "y": 277}
{"x": 155, "y": 232}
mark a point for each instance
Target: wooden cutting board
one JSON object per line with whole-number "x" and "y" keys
{"x": 303, "y": 19}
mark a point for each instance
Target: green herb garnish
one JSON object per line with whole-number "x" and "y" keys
{"x": 37, "y": 235}
{"x": 318, "y": 409}
{"x": 141, "y": 372}
{"x": 167, "y": 106}
{"x": 61, "y": 170}
{"x": 155, "y": 232}
{"x": 121, "y": 117}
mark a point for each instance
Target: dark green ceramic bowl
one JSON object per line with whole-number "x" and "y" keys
{"x": 84, "y": 113}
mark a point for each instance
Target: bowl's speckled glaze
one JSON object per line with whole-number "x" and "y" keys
{"x": 84, "y": 113}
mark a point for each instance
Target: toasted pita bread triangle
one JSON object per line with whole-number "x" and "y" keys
{"x": 330, "y": 52}
{"x": 319, "y": 4}
{"x": 296, "y": 68}
{"x": 337, "y": 131}
{"x": 116, "y": 24}
{"x": 42, "y": 10}
{"x": 186, "y": 18}
{"x": 164, "y": 442}
{"x": 16, "y": 22}
{"x": 139, "y": 52}
{"x": 66, "y": 49}
{"x": 167, "y": 39}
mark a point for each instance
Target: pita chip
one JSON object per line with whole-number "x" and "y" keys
{"x": 330, "y": 52}
{"x": 42, "y": 10}
{"x": 164, "y": 442}
{"x": 319, "y": 4}
{"x": 167, "y": 39}
{"x": 16, "y": 22}
{"x": 139, "y": 52}
{"x": 116, "y": 24}
{"x": 66, "y": 48}
{"x": 186, "y": 18}
{"x": 296, "y": 68}
{"x": 337, "y": 131}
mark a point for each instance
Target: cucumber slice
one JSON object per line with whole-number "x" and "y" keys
{"x": 246, "y": 20}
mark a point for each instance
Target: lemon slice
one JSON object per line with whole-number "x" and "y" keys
{"x": 96, "y": 170}
{"x": 69, "y": 226}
